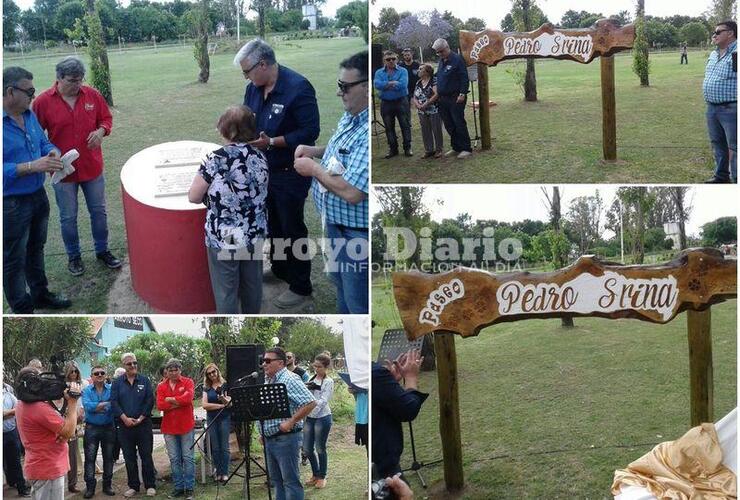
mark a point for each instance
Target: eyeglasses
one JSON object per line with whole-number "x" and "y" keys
{"x": 29, "y": 91}
{"x": 131, "y": 363}
{"x": 267, "y": 361}
{"x": 74, "y": 81}
{"x": 388, "y": 59}
{"x": 719, "y": 32}
{"x": 247, "y": 71}
{"x": 75, "y": 371}
{"x": 345, "y": 86}
{"x": 173, "y": 369}
{"x": 99, "y": 374}
{"x": 212, "y": 372}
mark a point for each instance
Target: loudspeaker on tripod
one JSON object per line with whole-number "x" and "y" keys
{"x": 241, "y": 360}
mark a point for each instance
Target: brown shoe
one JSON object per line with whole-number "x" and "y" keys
{"x": 311, "y": 481}
{"x": 320, "y": 483}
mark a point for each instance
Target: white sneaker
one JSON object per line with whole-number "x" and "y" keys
{"x": 289, "y": 299}
{"x": 451, "y": 152}
{"x": 150, "y": 492}
{"x": 130, "y": 492}
{"x": 463, "y": 155}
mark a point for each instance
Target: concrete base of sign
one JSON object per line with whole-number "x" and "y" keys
{"x": 123, "y": 300}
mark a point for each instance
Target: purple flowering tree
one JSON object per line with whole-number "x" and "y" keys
{"x": 421, "y": 30}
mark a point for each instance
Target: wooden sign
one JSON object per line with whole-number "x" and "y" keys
{"x": 464, "y": 301}
{"x": 604, "y": 38}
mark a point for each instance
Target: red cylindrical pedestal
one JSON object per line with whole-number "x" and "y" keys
{"x": 166, "y": 246}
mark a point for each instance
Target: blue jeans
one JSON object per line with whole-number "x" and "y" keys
{"x": 282, "y": 463}
{"x": 722, "y": 126}
{"x": 99, "y": 436}
{"x": 453, "y": 117}
{"x": 218, "y": 434}
{"x": 182, "y": 459}
{"x": 349, "y": 269}
{"x": 138, "y": 437}
{"x": 66, "y": 195}
{"x": 25, "y": 221}
{"x": 315, "y": 435}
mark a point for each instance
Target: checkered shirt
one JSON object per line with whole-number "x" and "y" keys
{"x": 720, "y": 82}
{"x": 350, "y": 145}
{"x": 298, "y": 396}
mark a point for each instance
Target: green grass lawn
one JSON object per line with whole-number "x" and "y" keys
{"x": 157, "y": 99}
{"x": 661, "y": 131}
{"x": 551, "y": 413}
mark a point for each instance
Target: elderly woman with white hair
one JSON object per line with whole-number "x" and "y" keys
{"x": 287, "y": 114}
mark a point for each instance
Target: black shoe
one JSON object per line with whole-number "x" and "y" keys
{"x": 109, "y": 492}
{"x": 391, "y": 154}
{"x": 408, "y": 153}
{"x": 51, "y": 301}
{"x": 89, "y": 494}
{"x": 428, "y": 154}
{"x": 176, "y": 494}
{"x": 76, "y": 267}
{"x": 188, "y": 494}
{"x": 717, "y": 180}
{"x": 25, "y": 493}
{"x": 110, "y": 261}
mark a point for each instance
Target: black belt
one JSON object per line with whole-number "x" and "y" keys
{"x": 343, "y": 228}
{"x": 281, "y": 433}
{"x": 722, "y": 103}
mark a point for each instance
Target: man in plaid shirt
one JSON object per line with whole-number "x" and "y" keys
{"x": 340, "y": 188}
{"x": 282, "y": 437}
{"x": 720, "y": 92}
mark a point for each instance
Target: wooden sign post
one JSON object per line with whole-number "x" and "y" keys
{"x": 464, "y": 301}
{"x": 603, "y": 40}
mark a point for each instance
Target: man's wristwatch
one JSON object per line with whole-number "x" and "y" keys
{"x": 271, "y": 143}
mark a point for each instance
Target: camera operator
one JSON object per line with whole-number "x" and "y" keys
{"x": 44, "y": 433}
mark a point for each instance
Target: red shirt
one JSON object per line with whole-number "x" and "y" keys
{"x": 68, "y": 128}
{"x": 39, "y": 425}
{"x": 180, "y": 419}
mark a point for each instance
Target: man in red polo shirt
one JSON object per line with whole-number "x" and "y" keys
{"x": 44, "y": 434}
{"x": 175, "y": 400}
{"x": 77, "y": 117}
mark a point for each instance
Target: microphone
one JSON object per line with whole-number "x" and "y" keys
{"x": 253, "y": 375}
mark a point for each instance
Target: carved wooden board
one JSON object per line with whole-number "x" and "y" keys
{"x": 464, "y": 301}
{"x": 604, "y": 38}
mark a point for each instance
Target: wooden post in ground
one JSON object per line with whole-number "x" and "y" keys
{"x": 449, "y": 409}
{"x": 483, "y": 108}
{"x": 701, "y": 372}
{"x": 608, "y": 109}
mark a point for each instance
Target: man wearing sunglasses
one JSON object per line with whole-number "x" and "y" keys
{"x": 720, "y": 93}
{"x": 392, "y": 82}
{"x": 282, "y": 437}
{"x": 340, "y": 187}
{"x": 99, "y": 431}
{"x": 28, "y": 157}
{"x": 287, "y": 113}
{"x": 132, "y": 399}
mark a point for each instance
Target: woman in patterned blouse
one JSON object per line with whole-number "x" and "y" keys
{"x": 232, "y": 182}
{"x": 425, "y": 99}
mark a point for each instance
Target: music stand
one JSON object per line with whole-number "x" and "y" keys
{"x": 394, "y": 344}
{"x": 258, "y": 403}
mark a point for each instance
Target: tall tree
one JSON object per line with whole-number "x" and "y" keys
{"x": 636, "y": 203}
{"x": 201, "y": 43}
{"x": 261, "y": 7}
{"x": 99, "y": 67}
{"x": 559, "y": 256}
{"x": 722, "y": 10}
{"x": 640, "y": 57}
{"x": 682, "y": 210}
{"x": 11, "y": 20}
{"x": 526, "y": 16}
{"x": 584, "y": 217}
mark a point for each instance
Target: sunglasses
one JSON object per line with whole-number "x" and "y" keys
{"x": 267, "y": 361}
{"x": 388, "y": 59}
{"x": 29, "y": 92}
{"x": 99, "y": 374}
{"x": 718, "y": 32}
{"x": 344, "y": 88}
{"x": 212, "y": 372}
{"x": 131, "y": 363}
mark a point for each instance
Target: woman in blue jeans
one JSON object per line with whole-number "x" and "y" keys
{"x": 215, "y": 399}
{"x": 318, "y": 422}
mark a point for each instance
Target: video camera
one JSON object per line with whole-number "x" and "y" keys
{"x": 313, "y": 386}
{"x": 46, "y": 386}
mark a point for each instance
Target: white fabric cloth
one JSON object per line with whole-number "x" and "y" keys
{"x": 356, "y": 347}
{"x": 68, "y": 168}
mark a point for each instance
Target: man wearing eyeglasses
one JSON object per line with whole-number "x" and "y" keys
{"x": 392, "y": 83}
{"x": 340, "y": 187}
{"x": 132, "y": 399}
{"x": 27, "y": 157}
{"x": 287, "y": 113}
{"x": 282, "y": 437}
{"x": 99, "y": 431}
{"x": 452, "y": 87}
{"x": 720, "y": 93}
{"x": 76, "y": 116}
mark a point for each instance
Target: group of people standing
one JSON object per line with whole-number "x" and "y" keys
{"x": 438, "y": 99}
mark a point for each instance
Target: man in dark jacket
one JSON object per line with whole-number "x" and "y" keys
{"x": 452, "y": 87}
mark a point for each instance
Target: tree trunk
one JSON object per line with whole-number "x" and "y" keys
{"x": 640, "y": 232}
{"x": 530, "y": 82}
{"x": 261, "y": 16}
{"x": 201, "y": 44}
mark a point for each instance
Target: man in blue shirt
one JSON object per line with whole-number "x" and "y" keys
{"x": 284, "y": 104}
{"x": 340, "y": 188}
{"x": 282, "y": 437}
{"x": 99, "y": 431}
{"x": 720, "y": 92}
{"x": 27, "y": 157}
{"x": 452, "y": 87}
{"x": 392, "y": 83}
{"x": 132, "y": 399}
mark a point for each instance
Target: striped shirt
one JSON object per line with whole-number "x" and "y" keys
{"x": 350, "y": 146}
{"x": 298, "y": 396}
{"x": 720, "y": 81}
